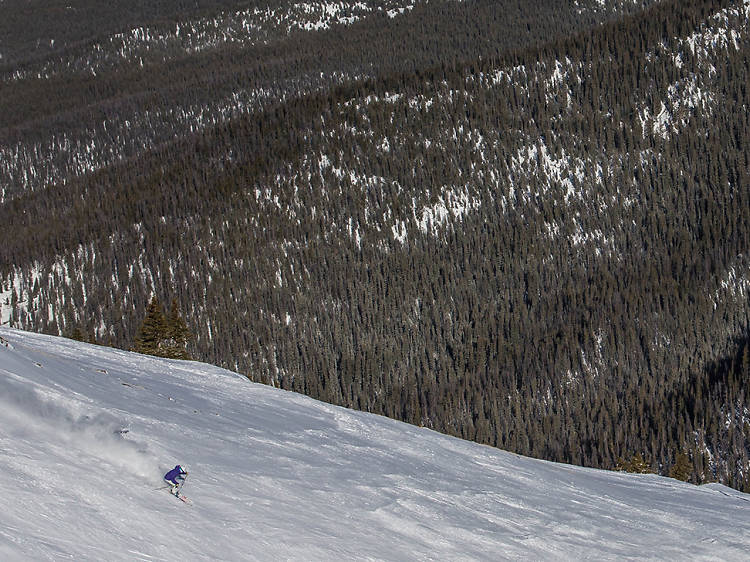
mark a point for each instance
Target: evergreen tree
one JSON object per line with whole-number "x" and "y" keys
{"x": 163, "y": 336}
{"x": 77, "y": 334}
{"x": 177, "y": 334}
{"x": 682, "y": 468}
{"x": 639, "y": 465}
{"x": 153, "y": 333}
{"x": 636, "y": 464}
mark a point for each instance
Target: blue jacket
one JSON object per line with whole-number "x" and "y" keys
{"x": 176, "y": 475}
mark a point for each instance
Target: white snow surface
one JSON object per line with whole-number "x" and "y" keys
{"x": 278, "y": 476}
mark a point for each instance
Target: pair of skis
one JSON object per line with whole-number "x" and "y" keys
{"x": 185, "y": 499}
{"x": 178, "y": 495}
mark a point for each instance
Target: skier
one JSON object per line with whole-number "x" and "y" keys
{"x": 175, "y": 478}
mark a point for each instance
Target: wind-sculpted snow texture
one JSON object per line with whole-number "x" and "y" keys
{"x": 278, "y": 476}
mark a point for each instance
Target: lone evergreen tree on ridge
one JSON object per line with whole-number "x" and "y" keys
{"x": 160, "y": 335}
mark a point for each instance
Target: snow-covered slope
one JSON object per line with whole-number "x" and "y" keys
{"x": 276, "y": 475}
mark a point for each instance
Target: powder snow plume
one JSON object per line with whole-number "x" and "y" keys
{"x": 25, "y": 414}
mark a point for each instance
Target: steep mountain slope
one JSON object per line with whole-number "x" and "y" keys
{"x": 275, "y": 475}
{"x": 540, "y": 245}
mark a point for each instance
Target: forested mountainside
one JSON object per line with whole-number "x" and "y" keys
{"x": 95, "y": 102}
{"x": 522, "y": 223}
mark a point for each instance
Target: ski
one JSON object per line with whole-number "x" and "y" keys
{"x": 185, "y": 499}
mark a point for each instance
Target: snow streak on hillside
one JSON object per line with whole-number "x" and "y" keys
{"x": 88, "y": 431}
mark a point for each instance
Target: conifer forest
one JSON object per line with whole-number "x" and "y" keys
{"x": 520, "y": 222}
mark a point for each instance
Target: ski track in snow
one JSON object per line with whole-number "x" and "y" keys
{"x": 275, "y": 475}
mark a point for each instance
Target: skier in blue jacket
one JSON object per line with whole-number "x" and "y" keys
{"x": 175, "y": 478}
